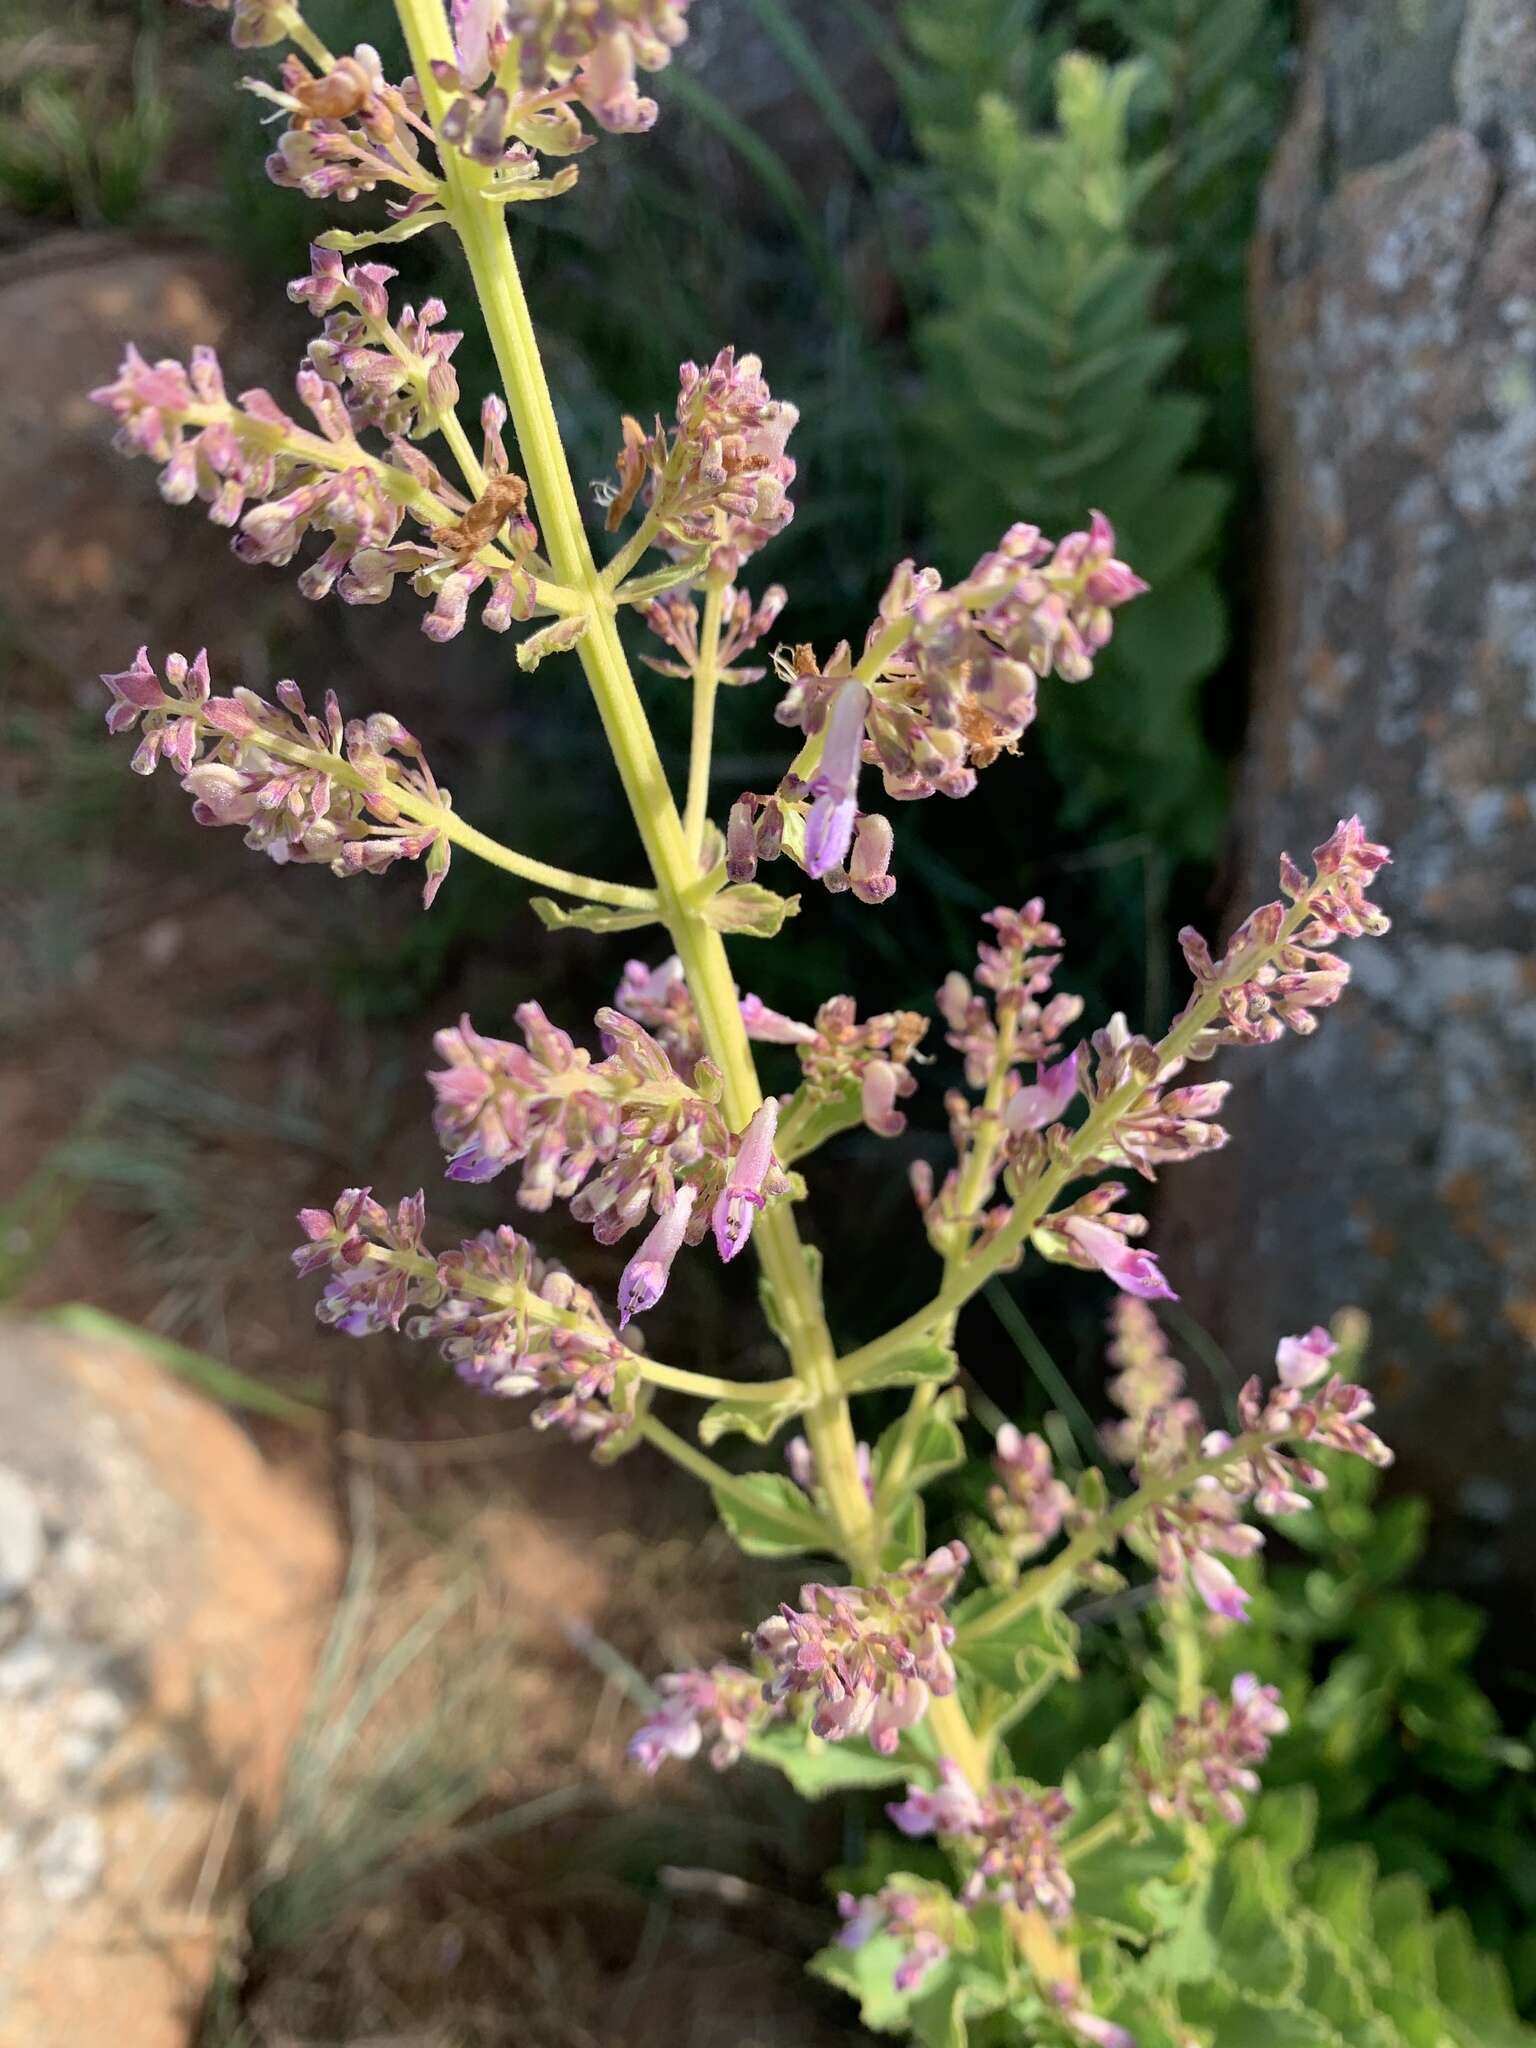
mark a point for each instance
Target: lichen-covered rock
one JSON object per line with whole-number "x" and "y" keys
{"x": 162, "y": 1597}
{"x": 1392, "y": 1160}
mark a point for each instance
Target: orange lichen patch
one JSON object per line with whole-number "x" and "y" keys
{"x": 1520, "y": 1314}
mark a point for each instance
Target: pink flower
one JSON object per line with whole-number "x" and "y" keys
{"x": 1304, "y": 1360}
{"x": 742, "y": 1195}
{"x": 1217, "y": 1587}
{"x": 644, "y": 1280}
{"x": 829, "y": 827}
{"x": 1047, "y": 1100}
{"x": 1137, "y": 1272}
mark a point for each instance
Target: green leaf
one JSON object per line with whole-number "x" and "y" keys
{"x": 816, "y": 1768}
{"x": 348, "y": 244}
{"x": 905, "y": 1535}
{"x": 749, "y": 911}
{"x": 925, "y": 1361}
{"x": 592, "y": 917}
{"x": 939, "y": 1446}
{"x": 810, "y": 1118}
{"x": 761, "y": 1421}
{"x": 1039, "y": 1641}
{"x": 768, "y": 1516}
{"x": 1286, "y": 1821}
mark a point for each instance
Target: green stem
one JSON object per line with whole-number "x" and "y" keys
{"x": 482, "y": 232}
{"x": 1050, "y": 1583}
{"x": 728, "y": 1485}
{"x": 1109, "y": 1829}
{"x": 298, "y": 31}
{"x": 706, "y": 684}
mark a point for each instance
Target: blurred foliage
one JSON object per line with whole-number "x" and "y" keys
{"x": 1080, "y": 319}
{"x": 1279, "y": 1942}
{"x": 80, "y": 139}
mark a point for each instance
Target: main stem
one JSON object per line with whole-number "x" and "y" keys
{"x": 481, "y": 229}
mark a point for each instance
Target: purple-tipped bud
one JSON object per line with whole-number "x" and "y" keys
{"x": 739, "y": 1200}
{"x": 1217, "y": 1588}
{"x": 869, "y": 868}
{"x": 829, "y": 827}
{"x": 1302, "y": 1361}
{"x": 644, "y": 1280}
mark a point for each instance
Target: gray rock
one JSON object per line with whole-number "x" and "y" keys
{"x": 22, "y": 1541}
{"x": 1391, "y": 1161}
{"x": 70, "y": 1858}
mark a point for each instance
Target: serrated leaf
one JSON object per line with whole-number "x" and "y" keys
{"x": 810, "y": 1118}
{"x": 938, "y": 1446}
{"x": 592, "y": 917}
{"x": 1035, "y": 1642}
{"x": 925, "y": 1361}
{"x": 749, "y": 911}
{"x": 768, "y": 1516}
{"x": 816, "y": 1768}
{"x": 760, "y": 1421}
{"x": 1286, "y": 1822}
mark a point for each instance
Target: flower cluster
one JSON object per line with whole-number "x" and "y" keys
{"x": 618, "y": 1137}
{"x": 763, "y": 827}
{"x": 838, "y": 1054}
{"x": 508, "y": 1322}
{"x": 522, "y": 67}
{"x": 1191, "y": 1530}
{"x": 396, "y": 376}
{"x": 674, "y": 619}
{"x": 959, "y": 688}
{"x": 1009, "y": 1019}
{"x": 375, "y": 1261}
{"x": 354, "y": 797}
{"x": 348, "y": 130}
{"x": 257, "y": 469}
{"x": 717, "y": 486}
{"x": 1292, "y": 974}
{"x": 1006, "y": 1837}
{"x": 1027, "y": 1502}
{"x": 867, "y": 1657}
{"x": 513, "y": 1324}
{"x": 1162, "y": 1424}
{"x": 922, "y": 1917}
{"x": 724, "y": 1703}
{"x": 1208, "y": 1760}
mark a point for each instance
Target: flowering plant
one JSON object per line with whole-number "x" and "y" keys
{"x": 886, "y": 1670}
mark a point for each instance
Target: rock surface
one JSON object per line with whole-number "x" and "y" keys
{"x": 1392, "y": 1160}
{"x": 162, "y": 1598}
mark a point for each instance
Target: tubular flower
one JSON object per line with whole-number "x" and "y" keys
{"x": 1208, "y": 1762}
{"x": 1007, "y": 1836}
{"x": 303, "y": 788}
{"x": 801, "y": 1460}
{"x": 719, "y": 482}
{"x": 1092, "y": 1243}
{"x": 921, "y": 1916}
{"x": 760, "y": 828}
{"x": 724, "y": 1699}
{"x": 742, "y": 1196}
{"x": 658, "y": 998}
{"x": 867, "y": 1658}
{"x": 644, "y": 1280}
{"x": 829, "y": 825}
